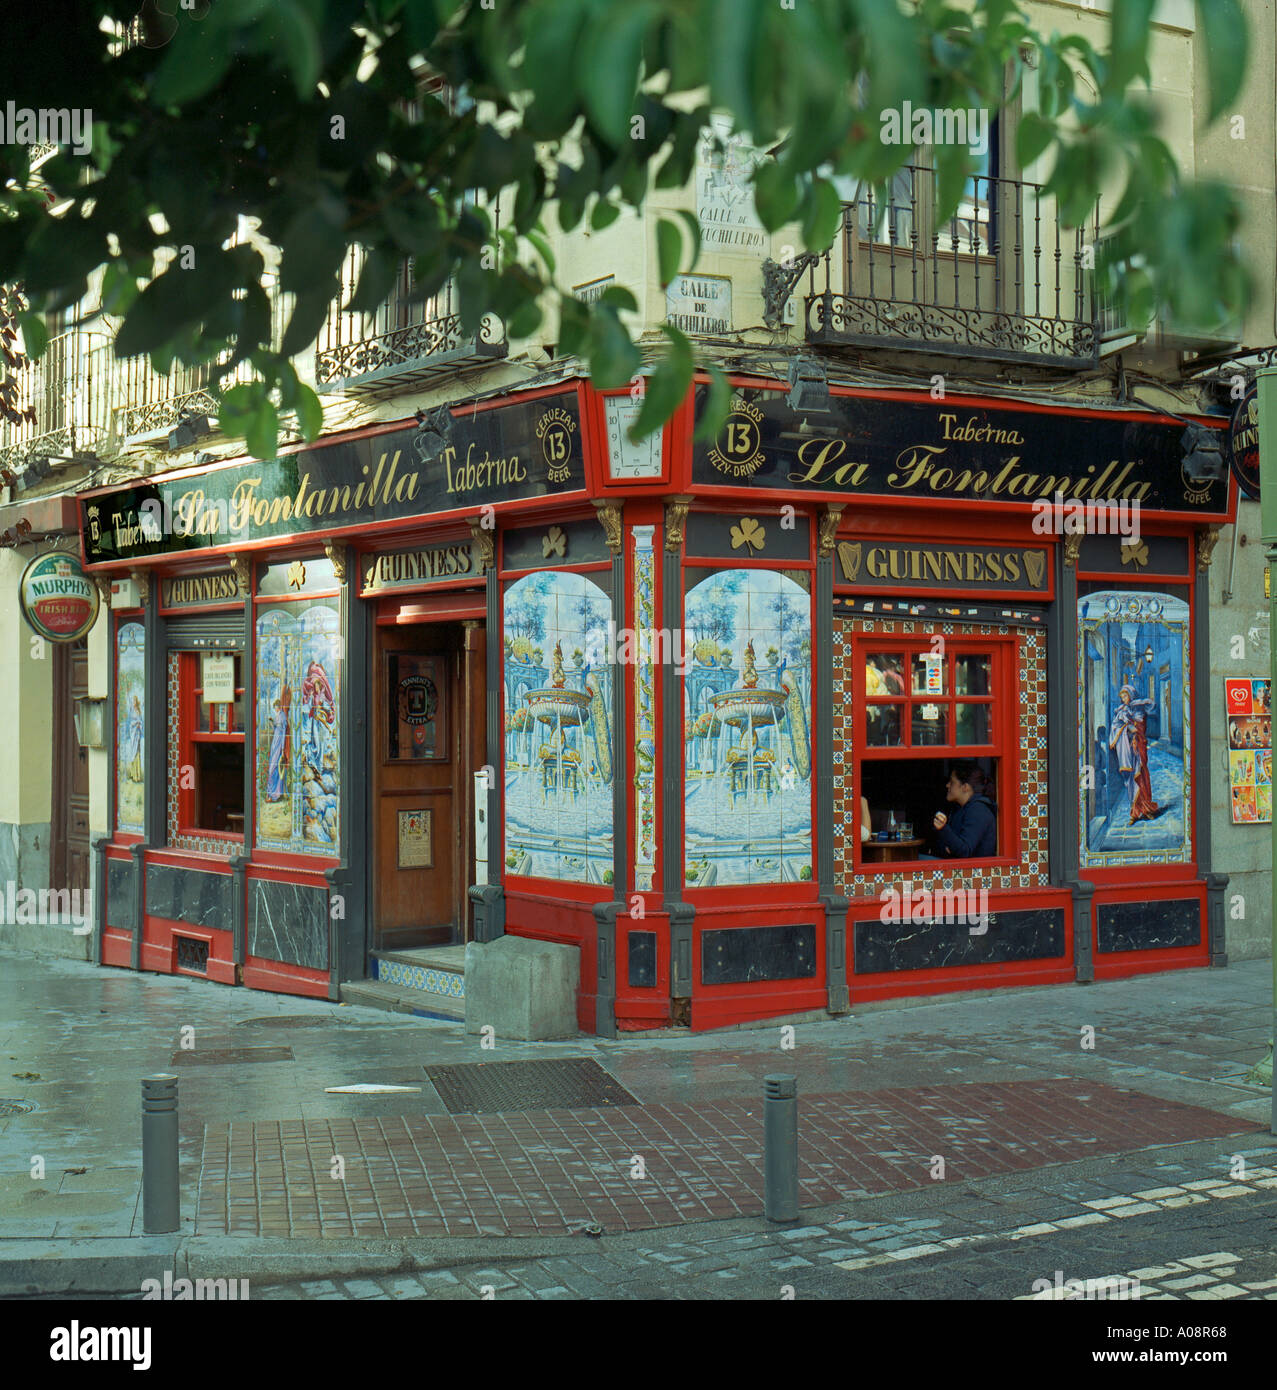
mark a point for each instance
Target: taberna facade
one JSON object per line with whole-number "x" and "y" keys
{"x": 660, "y": 679}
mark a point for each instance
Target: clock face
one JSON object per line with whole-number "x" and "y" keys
{"x": 629, "y": 462}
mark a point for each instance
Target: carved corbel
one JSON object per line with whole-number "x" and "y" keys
{"x": 142, "y": 578}
{"x": 609, "y": 516}
{"x": 485, "y": 539}
{"x": 1072, "y": 549}
{"x": 338, "y": 553}
{"x": 1206, "y": 541}
{"x": 830, "y": 518}
{"x": 242, "y": 567}
{"x": 675, "y": 522}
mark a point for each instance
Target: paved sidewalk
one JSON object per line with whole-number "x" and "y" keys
{"x": 552, "y": 1171}
{"x": 881, "y": 1093}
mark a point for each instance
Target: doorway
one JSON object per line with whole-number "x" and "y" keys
{"x": 428, "y": 732}
{"x": 69, "y": 850}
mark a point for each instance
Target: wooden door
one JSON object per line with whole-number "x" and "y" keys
{"x": 419, "y": 796}
{"x": 69, "y": 857}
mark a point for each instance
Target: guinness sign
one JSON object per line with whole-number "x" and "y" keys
{"x": 1243, "y": 444}
{"x": 411, "y": 569}
{"x": 193, "y": 591}
{"x": 875, "y": 567}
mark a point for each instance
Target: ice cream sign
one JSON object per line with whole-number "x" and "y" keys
{"x": 57, "y": 599}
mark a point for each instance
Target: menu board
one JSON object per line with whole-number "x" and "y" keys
{"x": 1248, "y": 701}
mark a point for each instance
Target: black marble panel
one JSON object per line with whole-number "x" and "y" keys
{"x": 189, "y": 895}
{"x": 736, "y": 955}
{"x": 1034, "y": 934}
{"x": 121, "y": 893}
{"x": 641, "y": 950}
{"x": 1146, "y": 926}
{"x": 288, "y": 922}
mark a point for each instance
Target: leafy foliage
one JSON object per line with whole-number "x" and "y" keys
{"x": 309, "y": 117}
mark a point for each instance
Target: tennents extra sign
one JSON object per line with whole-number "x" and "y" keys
{"x": 526, "y": 449}
{"x": 952, "y": 449}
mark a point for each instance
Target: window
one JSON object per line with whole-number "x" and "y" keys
{"x": 211, "y": 736}
{"x": 926, "y": 709}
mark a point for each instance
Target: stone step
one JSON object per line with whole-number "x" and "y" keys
{"x": 434, "y": 957}
{"x": 375, "y": 994}
{"x": 407, "y": 970}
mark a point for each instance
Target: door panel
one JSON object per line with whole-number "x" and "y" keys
{"x": 417, "y": 763}
{"x": 69, "y": 858}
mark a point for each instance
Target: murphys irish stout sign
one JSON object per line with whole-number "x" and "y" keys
{"x": 510, "y": 452}
{"x": 56, "y": 598}
{"x": 867, "y": 446}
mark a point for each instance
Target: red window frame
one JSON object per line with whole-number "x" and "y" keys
{"x": 190, "y": 735}
{"x": 1003, "y": 702}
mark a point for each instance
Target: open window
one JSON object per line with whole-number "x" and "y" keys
{"x": 928, "y": 705}
{"x": 210, "y": 791}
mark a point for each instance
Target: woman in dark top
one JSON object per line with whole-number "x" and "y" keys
{"x": 971, "y": 831}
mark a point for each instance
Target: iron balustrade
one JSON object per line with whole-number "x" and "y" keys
{"x": 405, "y": 339}
{"x": 1001, "y": 279}
{"x": 70, "y": 390}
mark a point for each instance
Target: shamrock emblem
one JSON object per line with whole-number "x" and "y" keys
{"x": 749, "y": 533}
{"x": 1134, "y": 552}
{"x": 296, "y": 574}
{"x": 554, "y": 542}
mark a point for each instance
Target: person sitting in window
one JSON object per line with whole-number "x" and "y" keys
{"x": 970, "y": 832}
{"x": 865, "y": 828}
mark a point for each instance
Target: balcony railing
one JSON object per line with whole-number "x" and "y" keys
{"x": 149, "y": 403}
{"x": 70, "y": 390}
{"x": 405, "y": 342}
{"x": 1002, "y": 279}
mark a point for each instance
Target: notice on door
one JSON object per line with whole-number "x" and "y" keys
{"x": 416, "y": 848}
{"x": 218, "y": 676}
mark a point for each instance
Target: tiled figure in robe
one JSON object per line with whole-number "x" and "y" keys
{"x": 1129, "y": 740}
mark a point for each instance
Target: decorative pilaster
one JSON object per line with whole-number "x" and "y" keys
{"x": 644, "y": 710}
{"x": 675, "y": 521}
{"x": 1206, "y": 542}
{"x": 485, "y": 539}
{"x": 338, "y": 554}
{"x": 609, "y": 515}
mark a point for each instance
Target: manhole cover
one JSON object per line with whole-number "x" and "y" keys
{"x": 220, "y": 1056}
{"x": 489, "y": 1088}
{"x": 15, "y": 1107}
{"x": 287, "y": 1021}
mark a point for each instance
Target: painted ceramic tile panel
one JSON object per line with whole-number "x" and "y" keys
{"x": 1134, "y": 728}
{"x": 558, "y": 729}
{"x": 130, "y": 738}
{"x": 747, "y": 722}
{"x": 298, "y": 767}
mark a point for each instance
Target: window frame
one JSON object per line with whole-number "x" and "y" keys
{"x": 1003, "y": 747}
{"x": 190, "y": 737}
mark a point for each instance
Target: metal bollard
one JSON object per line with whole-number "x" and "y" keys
{"x": 780, "y": 1147}
{"x": 160, "y": 1204}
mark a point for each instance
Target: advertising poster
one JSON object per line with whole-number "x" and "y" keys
{"x": 1248, "y": 701}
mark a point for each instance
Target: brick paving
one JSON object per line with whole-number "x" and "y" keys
{"x": 551, "y": 1172}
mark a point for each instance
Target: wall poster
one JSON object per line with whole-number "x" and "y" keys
{"x": 1134, "y": 728}
{"x": 1248, "y": 702}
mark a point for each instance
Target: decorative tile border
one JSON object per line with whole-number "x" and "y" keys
{"x": 422, "y": 977}
{"x": 1032, "y": 870}
{"x": 644, "y": 712}
{"x": 204, "y": 845}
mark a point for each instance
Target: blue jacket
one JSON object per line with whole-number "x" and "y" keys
{"x": 971, "y": 831}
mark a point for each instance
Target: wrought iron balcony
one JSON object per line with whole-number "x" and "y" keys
{"x": 406, "y": 342}
{"x": 70, "y": 390}
{"x": 1002, "y": 279}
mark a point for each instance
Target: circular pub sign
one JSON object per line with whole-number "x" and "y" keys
{"x": 58, "y": 600}
{"x": 1243, "y": 444}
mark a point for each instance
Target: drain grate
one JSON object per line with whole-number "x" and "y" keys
{"x": 15, "y": 1107}
{"x": 192, "y": 954}
{"x": 491, "y": 1088}
{"x": 287, "y": 1021}
{"x": 221, "y": 1056}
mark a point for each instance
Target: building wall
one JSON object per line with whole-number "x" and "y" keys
{"x": 1240, "y": 646}
{"x": 26, "y": 738}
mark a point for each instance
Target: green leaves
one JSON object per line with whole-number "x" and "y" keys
{"x": 607, "y": 67}
{"x": 35, "y": 334}
{"x": 776, "y": 195}
{"x": 667, "y": 385}
{"x": 669, "y": 248}
{"x": 1227, "y": 45}
{"x": 614, "y": 360}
